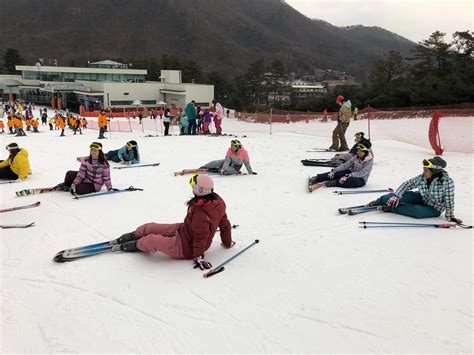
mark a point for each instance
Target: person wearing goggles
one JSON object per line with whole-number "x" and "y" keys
{"x": 435, "y": 193}
{"x": 351, "y": 174}
{"x": 127, "y": 155}
{"x": 235, "y": 157}
{"x": 17, "y": 165}
{"x": 93, "y": 173}
{"x": 190, "y": 239}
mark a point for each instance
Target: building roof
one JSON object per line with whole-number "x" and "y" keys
{"x": 55, "y": 69}
{"x": 107, "y": 62}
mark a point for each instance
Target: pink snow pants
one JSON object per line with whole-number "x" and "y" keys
{"x": 164, "y": 238}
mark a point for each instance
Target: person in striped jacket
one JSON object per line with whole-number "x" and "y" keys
{"x": 92, "y": 175}
{"x": 435, "y": 194}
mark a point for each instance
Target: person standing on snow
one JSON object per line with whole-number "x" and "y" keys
{"x": 102, "y": 121}
{"x": 354, "y": 173}
{"x": 17, "y": 165}
{"x": 219, "y": 115}
{"x": 127, "y": 155}
{"x": 167, "y": 120}
{"x": 191, "y": 114}
{"x": 235, "y": 157}
{"x": 191, "y": 238}
{"x": 434, "y": 196}
{"x": 338, "y": 135}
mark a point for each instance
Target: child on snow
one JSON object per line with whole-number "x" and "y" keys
{"x": 191, "y": 238}
{"x": 92, "y": 175}
{"x": 128, "y": 154}
{"x": 435, "y": 194}
{"x": 353, "y": 173}
{"x": 17, "y": 165}
{"x": 235, "y": 157}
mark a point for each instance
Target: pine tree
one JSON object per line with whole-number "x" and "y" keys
{"x": 11, "y": 58}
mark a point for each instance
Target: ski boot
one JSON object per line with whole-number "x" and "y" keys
{"x": 62, "y": 187}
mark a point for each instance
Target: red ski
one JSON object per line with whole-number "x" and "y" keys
{"x": 20, "y": 207}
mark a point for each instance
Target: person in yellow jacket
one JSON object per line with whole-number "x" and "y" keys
{"x": 345, "y": 114}
{"x": 17, "y": 166}
{"x": 102, "y": 121}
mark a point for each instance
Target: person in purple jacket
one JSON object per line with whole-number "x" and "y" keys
{"x": 92, "y": 175}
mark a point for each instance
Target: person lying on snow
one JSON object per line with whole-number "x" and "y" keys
{"x": 353, "y": 173}
{"x": 92, "y": 175}
{"x": 17, "y": 165}
{"x": 341, "y": 158}
{"x": 191, "y": 238}
{"x": 127, "y": 155}
{"x": 235, "y": 157}
{"x": 435, "y": 194}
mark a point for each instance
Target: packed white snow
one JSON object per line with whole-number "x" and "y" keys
{"x": 315, "y": 283}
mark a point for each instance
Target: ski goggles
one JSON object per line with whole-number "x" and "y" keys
{"x": 235, "y": 142}
{"x": 429, "y": 165}
{"x": 10, "y": 148}
{"x": 95, "y": 146}
{"x": 359, "y": 134}
{"x": 193, "y": 180}
{"x": 130, "y": 145}
{"x": 362, "y": 147}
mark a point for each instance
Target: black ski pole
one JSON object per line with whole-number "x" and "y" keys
{"x": 221, "y": 267}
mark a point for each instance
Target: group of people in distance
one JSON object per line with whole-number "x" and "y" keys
{"x": 206, "y": 210}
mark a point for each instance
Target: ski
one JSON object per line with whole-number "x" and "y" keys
{"x": 190, "y": 171}
{"x": 365, "y": 209}
{"x": 343, "y": 192}
{"x": 8, "y": 226}
{"x": 345, "y": 210}
{"x": 135, "y": 166}
{"x": 9, "y": 182}
{"x": 321, "y": 151}
{"x": 36, "y": 204}
{"x": 319, "y": 162}
{"x": 42, "y": 190}
{"x": 129, "y": 189}
{"x": 366, "y": 224}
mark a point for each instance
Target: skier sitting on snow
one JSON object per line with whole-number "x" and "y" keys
{"x": 341, "y": 158}
{"x": 235, "y": 157}
{"x": 353, "y": 173}
{"x": 92, "y": 175}
{"x": 128, "y": 154}
{"x": 435, "y": 194}
{"x": 190, "y": 239}
{"x": 17, "y": 165}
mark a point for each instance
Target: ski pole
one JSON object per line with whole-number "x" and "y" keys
{"x": 135, "y": 166}
{"x": 361, "y": 192}
{"x": 9, "y": 182}
{"x": 221, "y": 267}
{"x": 408, "y": 224}
{"x": 131, "y": 188}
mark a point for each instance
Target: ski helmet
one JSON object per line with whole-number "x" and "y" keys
{"x": 339, "y": 99}
{"x": 202, "y": 185}
{"x": 435, "y": 164}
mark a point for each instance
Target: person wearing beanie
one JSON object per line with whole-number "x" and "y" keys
{"x": 190, "y": 239}
{"x": 338, "y": 135}
{"x": 93, "y": 173}
{"x": 127, "y": 155}
{"x": 353, "y": 173}
{"x": 17, "y": 165}
{"x": 235, "y": 157}
{"x": 434, "y": 196}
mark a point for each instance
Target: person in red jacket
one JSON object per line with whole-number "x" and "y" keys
{"x": 190, "y": 239}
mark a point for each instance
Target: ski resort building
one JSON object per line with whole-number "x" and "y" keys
{"x": 104, "y": 84}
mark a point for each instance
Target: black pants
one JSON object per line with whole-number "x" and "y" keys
{"x": 351, "y": 182}
{"x": 113, "y": 155}
{"x": 62, "y": 133}
{"x": 81, "y": 189}
{"x": 192, "y": 126}
{"x": 7, "y": 174}
{"x": 101, "y": 132}
{"x": 167, "y": 127}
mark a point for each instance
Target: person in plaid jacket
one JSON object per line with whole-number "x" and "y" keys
{"x": 435, "y": 194}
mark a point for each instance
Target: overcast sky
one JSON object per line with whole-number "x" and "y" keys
{"x": 413, "y": 19}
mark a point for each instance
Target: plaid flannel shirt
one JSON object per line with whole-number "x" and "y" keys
{"x": 439, "y": 195}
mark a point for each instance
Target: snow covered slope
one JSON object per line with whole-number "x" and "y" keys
{"x": 315, "y": 283}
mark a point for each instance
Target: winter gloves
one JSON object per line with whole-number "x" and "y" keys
{"x": 393, "y": 201}
{"x": 455, "y": 220}
{"x": 332, "y": 173}
{"x": 199, "y": 262}
{"x": 73, "y": 189}
{"x": 343, "y": 179}
{"x": 232, "y": 243}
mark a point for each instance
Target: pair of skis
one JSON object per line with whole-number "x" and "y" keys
{"x": 110, "y": 246}
{"x": 365, "y": 225}
{"x": 10, "y": 209}
{"x": 319, "y": 162}
{"x": 28, "y": 192}
{"x": 355, "y": 210}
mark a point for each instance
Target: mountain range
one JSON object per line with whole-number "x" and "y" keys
{"x": 221, "y": 35}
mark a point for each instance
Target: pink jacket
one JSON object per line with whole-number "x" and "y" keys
{"x": 237, "y": 159}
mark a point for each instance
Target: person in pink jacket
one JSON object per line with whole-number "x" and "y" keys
{"x": 235, "y": 157}
{"x": 191, "y": 238}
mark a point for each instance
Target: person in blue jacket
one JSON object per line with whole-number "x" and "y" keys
{"x": 128, "y": 154}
